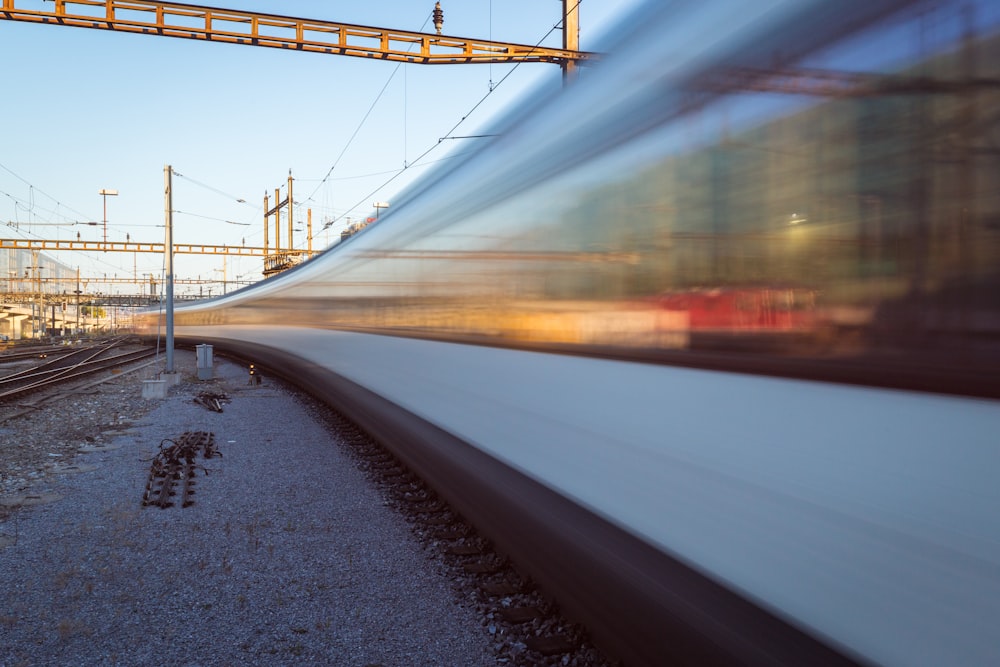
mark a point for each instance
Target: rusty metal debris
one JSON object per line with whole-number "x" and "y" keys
{"x": 211, "y": 400}
{"x": 176, "y": 463}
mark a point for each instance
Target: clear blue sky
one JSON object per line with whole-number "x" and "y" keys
{"x": 90, "y": 109}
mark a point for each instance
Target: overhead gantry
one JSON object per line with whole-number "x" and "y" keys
{"x": 133, "y": 246}
{"x": 234, "y": 26}
{"x": 237, "y": 26}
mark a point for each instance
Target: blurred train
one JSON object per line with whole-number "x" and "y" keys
{"x": 708, "y": 342}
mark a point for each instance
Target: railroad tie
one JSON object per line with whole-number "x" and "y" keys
{"x": 176, "y": 463}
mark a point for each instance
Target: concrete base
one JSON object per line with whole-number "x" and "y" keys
{"x": 205, "y": 373}
{"x": 171, "y": 378}
{"x": 154, "y": 389}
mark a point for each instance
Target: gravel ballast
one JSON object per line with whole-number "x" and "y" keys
{"x": 288, "y": 555}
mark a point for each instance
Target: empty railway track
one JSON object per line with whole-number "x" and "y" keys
{"x": 66, "y": 367}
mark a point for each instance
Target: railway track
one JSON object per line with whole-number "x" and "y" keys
{"x": 254, "y": 499}
{"x": 36, "y": 352}
{"x": 175, "y": 465}
{"x": 511, "y": 603}
{"x": 68, "y": 367}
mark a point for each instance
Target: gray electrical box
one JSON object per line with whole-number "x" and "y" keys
{"x": 204, "y": 361}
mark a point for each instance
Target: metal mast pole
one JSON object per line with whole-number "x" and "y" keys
{"x": 277, "y": 220}
{"x": 36, "y": 287}
{"x": 267, "y": 223}
{"x": 291, "y": 237}
{"x": 571, "y": 36}
{"x": 105, "y": 193}
{"x": 168, "y": 207}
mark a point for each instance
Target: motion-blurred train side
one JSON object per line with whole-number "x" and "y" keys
{"x": 860, "y": 174}
{"x": 788, "y": 215}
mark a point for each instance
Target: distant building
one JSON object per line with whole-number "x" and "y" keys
{"x": 20, "y": 271}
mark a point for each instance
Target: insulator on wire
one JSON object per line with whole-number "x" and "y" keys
{"x": 438, "y": 17}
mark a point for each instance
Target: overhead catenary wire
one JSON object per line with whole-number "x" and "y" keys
{"x": 364, "y": 119}
{"x": 421, "y": 161}
{"x": 450, "y": 132}
{"x": 32, "y": 209}
{"x": 355, "y": 133}
{"x": 346, "y": 213}
{"x": 95, "y": 261}
{"x": 208, "y": 217}
{"x": 34, "y": 188}
{"x": 238, "y": 200}
{"x": 254, "y": 211}
{"x": 407, "y": 164}
{"x": 377, "y": 173}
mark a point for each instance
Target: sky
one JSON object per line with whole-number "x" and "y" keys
{"x": 86, "y": 110}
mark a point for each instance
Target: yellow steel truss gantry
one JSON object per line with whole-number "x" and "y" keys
{"x": 235, "y": 26}
{"x": 19, "y": 284}
{"x": 133, "y": 246}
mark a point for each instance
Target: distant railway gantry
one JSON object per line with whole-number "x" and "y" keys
{"x": 134, "y": 246}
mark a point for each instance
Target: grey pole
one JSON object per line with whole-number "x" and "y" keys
{"x": 571, "y": 36}
{"x": 78, "y": 301}
{"x": 169, "y": 250}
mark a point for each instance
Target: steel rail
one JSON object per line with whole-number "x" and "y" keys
{"x": 55, "y": 365}
{"x": 81, "y": 369}
{"x": 36, "y": 353}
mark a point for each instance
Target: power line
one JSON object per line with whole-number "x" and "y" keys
{"x": 31, "y": 208}
{"x": 363, "y": 120}
{"x": 450, "y": 132}
{"x": 30, "y": 185}
{"x": 207, "y": 217}
{"x": 238, "y": 200}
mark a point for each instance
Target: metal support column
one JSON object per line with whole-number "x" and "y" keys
{"x": 571, "y": 36}
{"x": 291, "y": 238}
{"x": 168, "y": 206}
{"x": 267, "y": 222}
{"x": 277, "y": 220}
